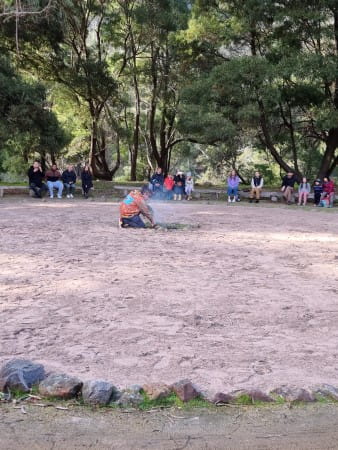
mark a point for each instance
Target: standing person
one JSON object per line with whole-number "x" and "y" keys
{"x": 317, "y": 190}
{"x": 189, "y": 186}
{"x": 288, "y": 184}
{"x": 35, "y": 179}
{"x": 328, "y": 191}
{"x": 168, "y": 187}
{"x": 87, "y": 180}
{"x": 157, "y": 181}
{"x": 304, "y": 190}
{"x": 233, "y": 183}
{"x": 257, "y": 183}
{"x": 53, "y": 176}
{"x": 135, "y": 205}
{"x": 179, "y": 180}
{"x": 69, "y": 180}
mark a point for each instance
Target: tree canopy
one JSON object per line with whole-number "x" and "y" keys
{"x": 205, "y": 85}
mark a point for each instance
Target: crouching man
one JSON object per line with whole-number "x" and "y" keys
{"x": 135, "y": 205}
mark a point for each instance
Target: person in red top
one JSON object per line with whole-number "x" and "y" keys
{"x": 133, "y": 206}
{"x": 168, "y": 185}
{"x": 328, "y": 190}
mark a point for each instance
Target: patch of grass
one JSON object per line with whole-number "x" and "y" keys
{"x": 244, "y": 399}
{"x": 19, "y": 183}
{"x": 322, "y": 399}
{"x": 172, "y": 401}
{"x": 147, "y": 403}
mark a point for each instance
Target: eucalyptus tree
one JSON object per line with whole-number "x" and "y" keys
{"x": 277, "y": 82}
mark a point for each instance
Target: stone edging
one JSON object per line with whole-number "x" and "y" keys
{"x": 22, "y": 375}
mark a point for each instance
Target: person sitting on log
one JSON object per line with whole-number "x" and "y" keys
{"x": 36, "y": 177}
{"x": 157, "y": 181}
{"x": 288, "y": 184}
{"x": 135, "y": 205}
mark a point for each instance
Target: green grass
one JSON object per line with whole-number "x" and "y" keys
{"x": 6, "y": 183}
{"x": 172, "y": 401}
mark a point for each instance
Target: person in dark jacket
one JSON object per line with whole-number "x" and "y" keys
{"x": 36, "y": 177}
{"x": 179, "y": 187}
{"x": 53, "y": 176}
{"x": 288, "y": 185}
{"x": 69, "y": 180}
{"x": 87, "y": 180}
{"x": 157, "y": 181}
{"x": 317, "y": 190}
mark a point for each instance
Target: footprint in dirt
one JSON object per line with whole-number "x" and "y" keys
{"x": 261, "y": 367}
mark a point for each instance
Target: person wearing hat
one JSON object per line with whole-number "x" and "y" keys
{"x": 133, "y": 206}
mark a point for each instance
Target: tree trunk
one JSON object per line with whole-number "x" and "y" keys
{"x": 136, "y": 133}
{"x": 97, "y": 156}
{"x": 329, "y": 155}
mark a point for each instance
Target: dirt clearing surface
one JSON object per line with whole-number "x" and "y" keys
{"x": 248, "y": 300}
{"x": 305, "y": 428}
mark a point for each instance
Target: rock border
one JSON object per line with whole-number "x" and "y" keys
{"x": 24, "y": 376}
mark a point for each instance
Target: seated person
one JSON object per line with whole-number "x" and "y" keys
{"x": 288, "y": 184}
{"x": 257, "y": 183}
{"x": 69, "y": 180}
{"x": 168, "y": 187}
{"x": 54, "y": 181}
{"x": 157, "y": 181}
{"x": 87, "y": 180}
{"x": 133, "y": 206}
{"x": 328, "y": 191}
{"x": 35, "y": 177}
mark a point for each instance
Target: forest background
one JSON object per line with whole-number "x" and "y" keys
{"x": 201, "y": 85}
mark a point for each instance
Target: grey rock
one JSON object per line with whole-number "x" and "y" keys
{"x": 185, "y": 390}
{"x": 21, "y": 374}
{"x": 274, "y": 198}
{"x": 129, "y": 399}
{"x": 221, "y": 397}
{"x": 61, "y": 386}
{"x": 294, "y": 394}
{"x": 98, "y": 392}
{"x": 327, "y": 390}
{"x": 134, "y": 389}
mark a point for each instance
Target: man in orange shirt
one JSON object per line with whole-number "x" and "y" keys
{"x": 133, "y": 206}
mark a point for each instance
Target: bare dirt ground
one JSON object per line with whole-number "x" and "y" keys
{"x": 312, "y": 427}
{"x": 248, "y": 300}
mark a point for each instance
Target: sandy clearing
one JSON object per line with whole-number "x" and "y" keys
{"x": 249, "y": 299}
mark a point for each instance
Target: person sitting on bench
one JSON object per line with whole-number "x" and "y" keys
{"x": 133, "y": 206}
{"x": 35, "y": 177}
{"x": 69, "y": 180}
{"x": 54, "y": 181}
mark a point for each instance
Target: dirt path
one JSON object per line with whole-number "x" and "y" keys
{"x": 310, "y": 428}
{"x": 249, "y": 299}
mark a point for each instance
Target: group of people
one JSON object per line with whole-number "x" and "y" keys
{"x": 171, "y": 187}
{"x": 56, "y": 180}
{"x": 324, "y": 191}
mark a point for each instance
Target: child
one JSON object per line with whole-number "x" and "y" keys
{"x": 233, "y": 182}
{"x": 304, "y": 190}
{"x": 317, "y": 189}
{"x": 168, "y": 187}
{"x": 189, "y": 186}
